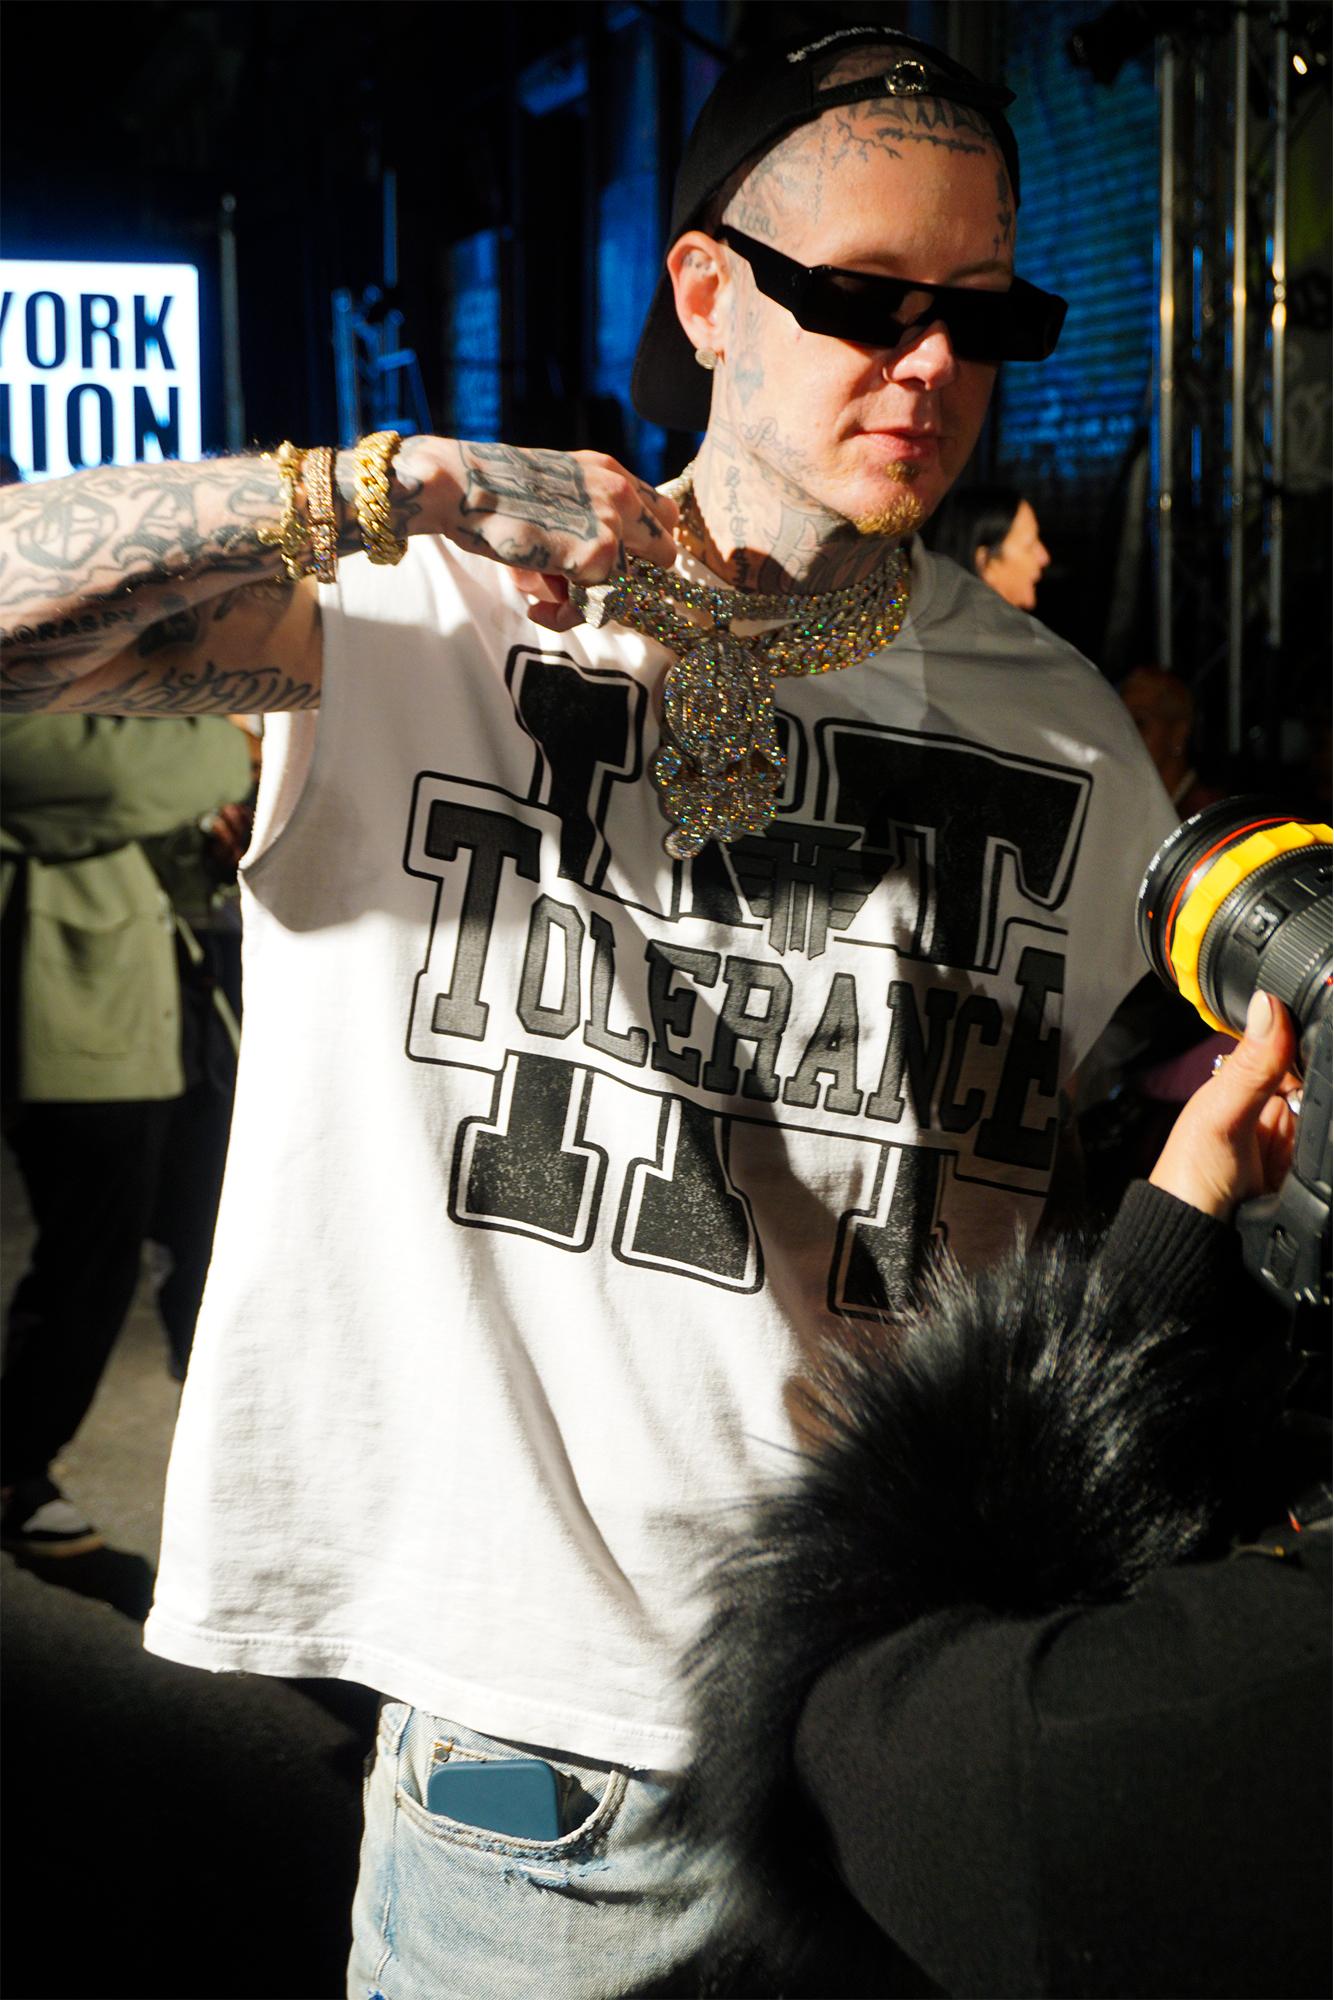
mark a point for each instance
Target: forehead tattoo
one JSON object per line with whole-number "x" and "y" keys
{"x": 801, "y": 167}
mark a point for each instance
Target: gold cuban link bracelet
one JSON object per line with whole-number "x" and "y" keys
{"x": 290, "y": 536}
{"x": 374, "y": 456}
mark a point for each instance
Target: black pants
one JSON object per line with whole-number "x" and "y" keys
{"x": 92, "y": 1172}
{"x": 194, "y": 1154}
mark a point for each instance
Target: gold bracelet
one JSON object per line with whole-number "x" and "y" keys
{"x": 290, "y": 534}
{"x": 373, "y": 456}
{"x": 317, "y": 477}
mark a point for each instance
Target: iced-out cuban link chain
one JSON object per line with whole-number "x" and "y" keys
{"x": 720, "y": 769}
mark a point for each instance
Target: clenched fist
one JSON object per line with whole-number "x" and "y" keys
{"x": 552, "y": 516}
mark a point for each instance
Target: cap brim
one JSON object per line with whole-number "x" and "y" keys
{"x": 667, "y": 385}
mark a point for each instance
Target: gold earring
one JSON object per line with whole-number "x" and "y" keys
{"x": 706, "y": 358}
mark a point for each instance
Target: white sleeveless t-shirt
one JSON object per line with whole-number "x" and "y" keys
{"x": 555, "y": 1162}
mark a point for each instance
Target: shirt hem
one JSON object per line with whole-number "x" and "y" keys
{"x": 492, "y": 1712}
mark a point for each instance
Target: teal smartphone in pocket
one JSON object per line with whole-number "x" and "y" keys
{"x": 509, "y": 1795}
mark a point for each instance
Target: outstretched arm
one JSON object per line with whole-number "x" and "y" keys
{"x": 110, "y": 580}
{"x": 149, "y": 590}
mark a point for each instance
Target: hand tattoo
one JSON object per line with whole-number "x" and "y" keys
{"x": 543, "y": 489}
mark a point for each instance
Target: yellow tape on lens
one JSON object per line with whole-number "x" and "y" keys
{"x": 1213, "y": 889}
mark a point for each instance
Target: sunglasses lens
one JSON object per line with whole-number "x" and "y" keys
{"x": 981, "y": 325}
{"x": 882, "y": 313}
{"x": 847, "y": 306}
{"x": 1021, "y": 324}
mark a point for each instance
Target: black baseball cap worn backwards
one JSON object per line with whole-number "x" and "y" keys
{"x": 752, "y": 106}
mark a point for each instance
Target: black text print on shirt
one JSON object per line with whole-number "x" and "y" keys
{"x": 882, "y": 969}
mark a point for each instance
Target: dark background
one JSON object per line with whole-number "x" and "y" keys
{"x": 126, "y": 122}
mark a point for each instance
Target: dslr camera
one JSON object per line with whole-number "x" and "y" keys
{"x": 1238, "y": 900}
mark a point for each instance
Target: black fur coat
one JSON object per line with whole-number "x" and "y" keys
{"x": 1046, "y": 1435}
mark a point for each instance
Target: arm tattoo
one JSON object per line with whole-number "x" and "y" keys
{"x": 204, "y": 689}
{"x": 254, "y": 647}
{"x": 60, "y": 539}
{"x": 121, "y": 528}
{"x": 182, "y": 628}
{"x": 89, "y": 562}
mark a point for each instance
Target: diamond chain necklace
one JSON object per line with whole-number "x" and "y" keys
{"x": 720, "y": 769}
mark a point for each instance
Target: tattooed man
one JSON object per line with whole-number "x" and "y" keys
{"x": 562, "y": 1153}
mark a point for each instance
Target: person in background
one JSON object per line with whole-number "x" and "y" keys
{"x": 1164, "y": 712}
{"x": 196, "y": 865}
{"x": 92, "y": 1067}
{"x": 992, "y": 532}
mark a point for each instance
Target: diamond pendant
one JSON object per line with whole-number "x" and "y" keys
{"x": 719, "y": 771}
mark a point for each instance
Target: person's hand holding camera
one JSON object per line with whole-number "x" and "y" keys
{"x": 1234, "y": 1137}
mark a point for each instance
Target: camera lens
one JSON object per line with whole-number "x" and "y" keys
{"x": 1238, "y": 898}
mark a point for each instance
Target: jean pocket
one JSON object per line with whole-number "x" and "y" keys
{"x": 593, "y": 1815}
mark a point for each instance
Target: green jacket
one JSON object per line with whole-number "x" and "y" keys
{"x": 98, "y": 995}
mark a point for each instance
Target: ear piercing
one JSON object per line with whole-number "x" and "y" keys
{"x": 706, "y": 358}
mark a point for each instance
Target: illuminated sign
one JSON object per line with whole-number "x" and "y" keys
{"x": 99, "y": 364}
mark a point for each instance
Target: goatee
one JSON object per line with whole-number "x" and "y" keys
{"x": 899, "y": 516}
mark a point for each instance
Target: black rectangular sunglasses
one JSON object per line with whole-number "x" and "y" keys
{"x": 1021, "y": 324}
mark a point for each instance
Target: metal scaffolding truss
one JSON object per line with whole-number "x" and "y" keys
{"x": 1219, "y": 401}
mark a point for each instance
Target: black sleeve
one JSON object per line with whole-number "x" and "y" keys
{"x": 1165, "y": 1257}
{"x": 1128, "y": 1799}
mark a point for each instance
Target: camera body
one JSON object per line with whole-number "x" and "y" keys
{"x": 1238, "y": 900}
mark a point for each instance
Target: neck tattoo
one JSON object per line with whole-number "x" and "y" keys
{"x": 719, "y": 771}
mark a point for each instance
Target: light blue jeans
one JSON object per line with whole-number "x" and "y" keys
{"x": 449, "y": 1912}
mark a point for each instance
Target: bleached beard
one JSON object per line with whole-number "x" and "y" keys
{"x": 899, "y": 516}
